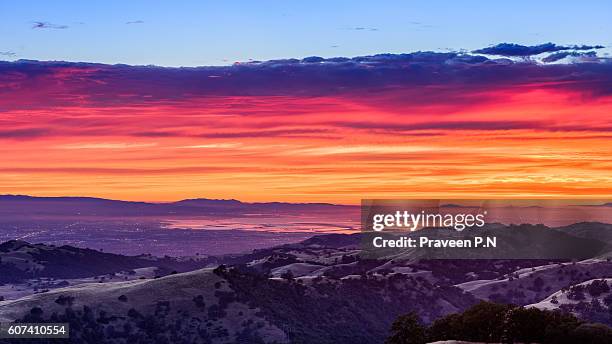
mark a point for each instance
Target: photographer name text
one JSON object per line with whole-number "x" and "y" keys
{"x": 425, "y": 242}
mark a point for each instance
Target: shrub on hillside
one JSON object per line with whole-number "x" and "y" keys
{"x": 491, "y": 322}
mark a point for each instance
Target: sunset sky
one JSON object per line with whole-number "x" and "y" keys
{"x": 493, "y": 120}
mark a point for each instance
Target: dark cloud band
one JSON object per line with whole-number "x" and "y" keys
{"x": 426, "y": 77}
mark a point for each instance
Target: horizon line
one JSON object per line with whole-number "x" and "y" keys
{"x": 603, "y": 202}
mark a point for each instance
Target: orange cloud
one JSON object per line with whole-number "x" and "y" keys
{"x": 530, "y": 137}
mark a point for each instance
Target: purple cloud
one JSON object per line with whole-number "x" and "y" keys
{"x": 423, "y": 77}
{"x": 563, "y": 54}
{"x": 517, "y": 50}
{"x": 23, "y": 133}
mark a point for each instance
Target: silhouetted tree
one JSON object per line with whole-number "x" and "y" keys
{"x": 407, "y": 329}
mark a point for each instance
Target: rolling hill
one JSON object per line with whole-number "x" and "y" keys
{"x": 320, "y": 290}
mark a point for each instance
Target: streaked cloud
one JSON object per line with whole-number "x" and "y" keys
{"x": 106, "y": 145}
{"x": 213, "y": 146}
{"x": 23, "y": 133}
{"x": 362, "y": 28}
{"x": 47, "y": 25}
{"x": 360, "y": 149}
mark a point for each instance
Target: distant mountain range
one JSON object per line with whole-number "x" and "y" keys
{"x": 20, "y": 205}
